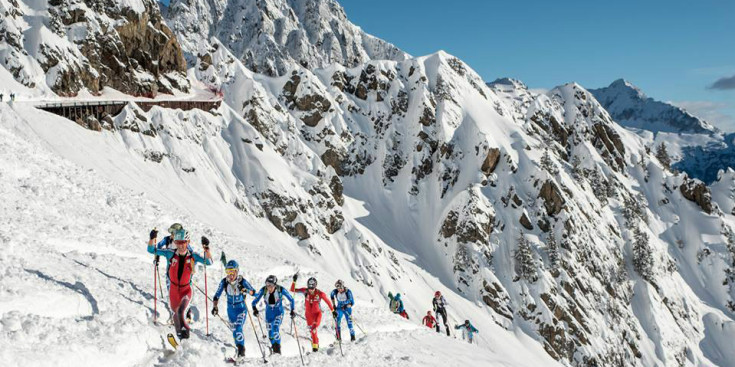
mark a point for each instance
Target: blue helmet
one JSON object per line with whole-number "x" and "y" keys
{"x": 181, "y": 235}
{"x": 232, "y": 264}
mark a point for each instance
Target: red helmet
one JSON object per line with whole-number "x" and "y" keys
{"x": 437, "y": 294}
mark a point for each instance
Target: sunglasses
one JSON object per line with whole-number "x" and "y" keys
{"x": 231, "y": 271}
{"x": 180, "y": 242}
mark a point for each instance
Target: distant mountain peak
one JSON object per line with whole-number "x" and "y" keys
{"x": 629, "y": 106}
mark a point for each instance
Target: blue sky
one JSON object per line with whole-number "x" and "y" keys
{"x": 673, "y": 50}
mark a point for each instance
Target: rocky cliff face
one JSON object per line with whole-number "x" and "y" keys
{"x": 539, "y": 206}
{"x": 70, "y": 45}
{"x": 272, "y": 36}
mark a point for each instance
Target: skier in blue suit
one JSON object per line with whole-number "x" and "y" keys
{"x": 273, "y": 296}
{"x": 343, "y": 302}
{"x": 468, "y": 331}
{"x": 235, "y": 288}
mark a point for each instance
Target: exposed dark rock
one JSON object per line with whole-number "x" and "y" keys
{"x": 491, "y": 161}
{"x": 333, "y": 159}
{"x": 696, "y": 191}
{"x": 526, "y": 222}
{"x": 553, "y": 200}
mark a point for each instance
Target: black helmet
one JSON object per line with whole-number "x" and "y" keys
{"x": 271, "y": 280}
{"x": 340, "y": 284}
{"x": 311, "y": 283}
{"x": 466, "y": 322}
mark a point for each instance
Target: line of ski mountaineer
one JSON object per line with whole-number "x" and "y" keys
{"x": 180, "y": 266}
{"x": 439, "y": 304}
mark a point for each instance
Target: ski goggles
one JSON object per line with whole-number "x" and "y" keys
{"x": 231, "y": 271}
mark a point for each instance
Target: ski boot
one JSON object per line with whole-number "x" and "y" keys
{"x": 240, "y": 352}
{"x": 276, "y": 348}
{"x": 314, "y": 347}
{"x": 352, "y": 337}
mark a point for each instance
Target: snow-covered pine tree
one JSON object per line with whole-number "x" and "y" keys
{"x": 525, "y": 264}
{"x": 599, "y": 185}
{"x": 643, "y": 261}
{"x": 577, "y": 171}
{"x": 662, "y": 155}
{"x": 553, "y": 249}
{"x": 634, "y": 207}
{"x": 547, "y": 164}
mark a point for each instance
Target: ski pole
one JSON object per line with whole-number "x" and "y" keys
{"x": 155, "y": 291}
{"x": 206, "y": 303}
{"x": 227, "y": 323}
{"x": 261, "y": 327}
{"x": 339, "y": 336}
{"x": 205, "y": 247}
{"x": 356, "y": 324}
{"x": 262, "y": 352}
{"x": 160, "y": 290}
{"x": 296, "y": 333}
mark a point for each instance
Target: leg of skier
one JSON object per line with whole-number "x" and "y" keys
{"x": 349, "y": 323}
{"x": 315, "y": 320}
{"x": 182, "y": 328}
{"x": 340, "y": 314}
{"x": 443, "y": 313}
{"x": 273, "y": 320}
{"x": 237, "y": 316}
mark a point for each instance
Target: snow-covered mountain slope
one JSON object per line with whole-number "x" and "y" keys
{"x": 630, "y": 107}
{"x": 695, "y": 146}
{"x": 88, "y": 257}
{"x": 545, "y": 222}
{"x": 66, "y": 46}
{"x": 272, "y": 36}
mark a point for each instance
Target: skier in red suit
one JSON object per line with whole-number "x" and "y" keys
{"x": 313, "y": 298}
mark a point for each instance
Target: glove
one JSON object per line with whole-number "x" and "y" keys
{"x": 205, "y": 243}
{"x": 334, "y": 313}
{"x": 215, "y": 311}
{"x": 295, "y": 276}
{"x": 156, "y": 259}
{"x": 255, "y": 311}
{"x": 293, "y": 314}
{"x": 154, "y": 234}
{"x": 349, "y": 305}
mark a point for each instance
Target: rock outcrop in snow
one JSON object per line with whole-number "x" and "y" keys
{"x": 71, "y": 45}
